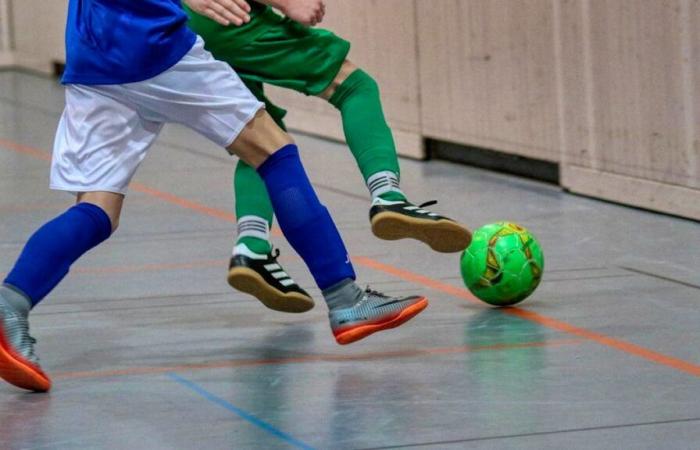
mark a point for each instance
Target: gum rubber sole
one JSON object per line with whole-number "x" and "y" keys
{"x": 362, "y": 331}
{"x": 444, "y": 236}
{"x": 248, "y": 281}
{"x": 18, "y": 371}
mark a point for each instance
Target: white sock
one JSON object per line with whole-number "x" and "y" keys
{"x": 383, "y": 182}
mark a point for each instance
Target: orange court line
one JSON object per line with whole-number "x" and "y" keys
{"x": 195, "y": 206}
{"x": 179, "y": 201}
{"x": 545, "y": 321}
{"x": 313, "y": 359}
{"x": 13, "y": 208}
{"x": 27, "y": 207}
{"x": 19, "y": 148}
{"x": 138, "y": 187}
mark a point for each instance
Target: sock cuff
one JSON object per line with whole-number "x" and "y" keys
{"x": 286, "y": 152}
{"x": 337, "y": 286}
{"x": 16, "y": 298}
{"x": 103, "y": 224}
{"x": 383, "y": 182}
{"x": 253, "y": 226}
{"x": 355, "y": 80}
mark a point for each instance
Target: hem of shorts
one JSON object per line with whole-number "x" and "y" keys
{"x": 336, "y": 71}
{"x": 69, "y": 78}
{"x": 237, "y": 131}
{"x": 82, "y": 189}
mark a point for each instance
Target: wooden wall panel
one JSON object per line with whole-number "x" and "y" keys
{"x": 692, "y": 55}
{"x": 608, "y": 88}
{"x": 630, "y": 99}
{"x": 487, "y": 74}
{"x": 39, "y": 32}
{"x": 383, "y": 38}
{"x": 627, "y": 80}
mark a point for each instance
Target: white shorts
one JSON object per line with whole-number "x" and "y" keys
{"x": 106, "y": 130}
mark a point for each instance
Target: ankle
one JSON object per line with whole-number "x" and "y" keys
{"x": 393, "y": 196}
{"x": 343, "y": 294}
{"x": 256, "y": 245}
{"x": 385, "y": 185}
{"x": 15, "y": 299}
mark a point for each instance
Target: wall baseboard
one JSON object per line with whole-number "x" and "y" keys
{"x": 7, "y": 60}
{"x": 646, "y": 194}
{"x": 494, "y": 160}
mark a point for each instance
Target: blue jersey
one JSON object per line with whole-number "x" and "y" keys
{"x": 124, "y": 41}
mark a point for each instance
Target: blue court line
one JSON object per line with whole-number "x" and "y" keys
{"x": 239, "y": 412}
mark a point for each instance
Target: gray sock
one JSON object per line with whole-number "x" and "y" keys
{"x": 15, "y": 299}
{"x": 343, "y": 294}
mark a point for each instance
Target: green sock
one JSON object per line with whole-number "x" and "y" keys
{"x": 253, "y": 209}
{"x": 256, "y": 245}
{"x": 393, "y": 196}
{"x": 366, "y": 131}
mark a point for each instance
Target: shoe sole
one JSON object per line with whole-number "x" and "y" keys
{"x": 16, "y": 370}
{"x": 362, "y": 331}
{"x": 248, "y": 281}
{"x": 444, "y": 236}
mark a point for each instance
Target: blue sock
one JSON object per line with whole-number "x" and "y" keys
{"x": 54, "y": 247}
{"x": 305, "y": 222}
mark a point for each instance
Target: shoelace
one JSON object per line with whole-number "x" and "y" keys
{"x": 276, "y": 253}
{"x": 428, "y": 203}
{"x": 370, "y": 291}
{"x": 27, "y": 340}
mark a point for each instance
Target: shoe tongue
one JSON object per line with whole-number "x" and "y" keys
{"x": 243, "y": 250}
{"x": 344, "y": 294}
{"x": 380, "y": 201}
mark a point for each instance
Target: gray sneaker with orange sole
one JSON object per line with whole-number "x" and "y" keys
{"x": 374, "y": 312}
{"x": 19, "y": 364}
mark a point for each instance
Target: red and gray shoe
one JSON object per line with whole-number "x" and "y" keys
{"x": 392, "y": 220}
{"x": 374, "y": 312}
{"x": 263, "y": 277}
{"x": 18, "y": 363}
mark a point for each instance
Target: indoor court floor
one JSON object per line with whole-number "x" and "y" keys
{"x": 149, "y": 348}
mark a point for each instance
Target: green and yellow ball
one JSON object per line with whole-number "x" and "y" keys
{"x": 503, "y": 265}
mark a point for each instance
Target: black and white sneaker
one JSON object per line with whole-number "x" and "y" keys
{"x": 392, "y": 220}
{"x": 262, "y": 277}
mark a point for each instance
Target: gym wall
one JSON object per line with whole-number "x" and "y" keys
{"x": 608, "y": 90}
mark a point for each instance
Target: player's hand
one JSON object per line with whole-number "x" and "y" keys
{"x": 306, "y": 12}
{"x": 225, "y": 12}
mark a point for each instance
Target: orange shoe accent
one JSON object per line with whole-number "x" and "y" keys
{"x": 15, "y": 369}
{"x": 353, "y": 334}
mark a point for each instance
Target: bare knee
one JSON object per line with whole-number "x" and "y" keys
{"x": 110, "y": 202}
{"x": 345, "y": 71}
{"x": 259, "y": 139}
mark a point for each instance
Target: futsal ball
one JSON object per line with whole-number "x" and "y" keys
{"x": 503, "y": 265}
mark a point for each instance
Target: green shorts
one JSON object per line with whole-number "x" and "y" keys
{"x": 272, "y": 49}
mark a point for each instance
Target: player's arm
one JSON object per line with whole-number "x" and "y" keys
{"x": 225, "y": 12}
{"x": 306, "y": 12}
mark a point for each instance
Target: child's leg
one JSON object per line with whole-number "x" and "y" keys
{"x": 253, "y": 210}
{"x": 253, "y": 207}
{"x": 93, "y": 156}
{"x": 254, "y": 268}
{"x": 356, "y": 95}
{"x": 209, "y": 97}
{"x": 53, "y": 248}
{"x": 310, "y": 230}
{"x": 43, "y": 263}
